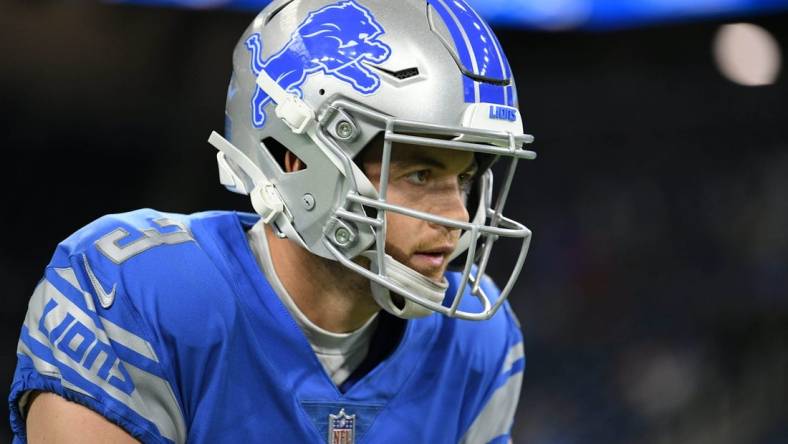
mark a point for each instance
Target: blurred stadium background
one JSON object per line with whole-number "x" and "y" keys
{"x": 654, "y": 300}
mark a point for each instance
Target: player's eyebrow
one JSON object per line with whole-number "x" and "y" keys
{"x": 419, "y": 159}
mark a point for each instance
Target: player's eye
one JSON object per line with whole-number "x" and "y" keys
{"x": 465, "y": 180}
{"x": 418, "y": 177}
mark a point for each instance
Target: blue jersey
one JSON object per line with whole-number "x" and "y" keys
{"x": 165, "y": 325}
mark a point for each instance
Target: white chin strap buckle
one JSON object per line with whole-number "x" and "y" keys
{"x": 266, "y": 201}
{"x": 293, "y": 111}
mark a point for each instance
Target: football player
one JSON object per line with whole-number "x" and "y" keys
{"x": 353, "y": 306}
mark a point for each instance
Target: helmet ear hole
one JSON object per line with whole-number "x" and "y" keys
{"x": 277, "y": 151}
{"x": 293, "y": 163}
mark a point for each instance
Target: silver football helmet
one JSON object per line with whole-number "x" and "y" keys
{"x": 322, "y": 78}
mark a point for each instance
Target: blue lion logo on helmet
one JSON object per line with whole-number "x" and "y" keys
{"x": 337, "y": 40}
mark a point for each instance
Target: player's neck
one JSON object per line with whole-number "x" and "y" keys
{"x": 328, "y": 294}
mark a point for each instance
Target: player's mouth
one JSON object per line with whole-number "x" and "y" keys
{"x": 431, "y": 262}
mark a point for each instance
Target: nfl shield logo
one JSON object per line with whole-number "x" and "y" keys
{"x": 341, "y": 428}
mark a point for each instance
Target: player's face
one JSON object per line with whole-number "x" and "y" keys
{"x": 427, "y": 179}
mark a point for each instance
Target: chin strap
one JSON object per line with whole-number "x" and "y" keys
{"x": 409, "y": 279}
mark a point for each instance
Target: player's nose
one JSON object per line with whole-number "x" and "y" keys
{"x": 451, "y": 205}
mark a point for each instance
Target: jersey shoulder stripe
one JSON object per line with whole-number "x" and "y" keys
{"x": 65, "y": 347}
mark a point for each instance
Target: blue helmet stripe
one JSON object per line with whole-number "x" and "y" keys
{"x": 479, "y": 51}
{"x": 512, "y": 96}
{"x": 487, "y": 51}
{"x": 484, "y": 47}
{"x": 492, "y": 93}
{"x": 509, "y": 96}
{"x": 508, "y": 91}
{"x": 469, "y": 86}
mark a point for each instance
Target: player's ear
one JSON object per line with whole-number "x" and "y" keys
{"x": 293, "y": 163}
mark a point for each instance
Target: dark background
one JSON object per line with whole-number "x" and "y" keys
{"x": 654, "y": 297}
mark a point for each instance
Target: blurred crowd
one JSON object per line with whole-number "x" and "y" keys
{"x": 656, "y": 309}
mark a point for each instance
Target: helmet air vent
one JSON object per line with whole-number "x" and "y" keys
{"x": 276, "y": 11}
{"x": 402, "y": 74}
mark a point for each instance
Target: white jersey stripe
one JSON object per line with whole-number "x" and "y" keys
{"x": 498, "y": 415}
{"x": 128, "y": 339}
{"x": 116, "y": 333}
{"x": 516, "y": 353}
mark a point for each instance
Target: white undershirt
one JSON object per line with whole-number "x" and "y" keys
{"x": 339, "y": 353}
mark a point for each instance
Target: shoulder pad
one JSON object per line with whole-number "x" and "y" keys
{"x": 120, "y": 237}
{"x": 152, "y": 263}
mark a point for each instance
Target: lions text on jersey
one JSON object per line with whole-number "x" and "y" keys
{"x": 165, "y": 325}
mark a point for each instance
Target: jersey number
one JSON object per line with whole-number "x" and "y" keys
{"x": 151, "y": 237}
